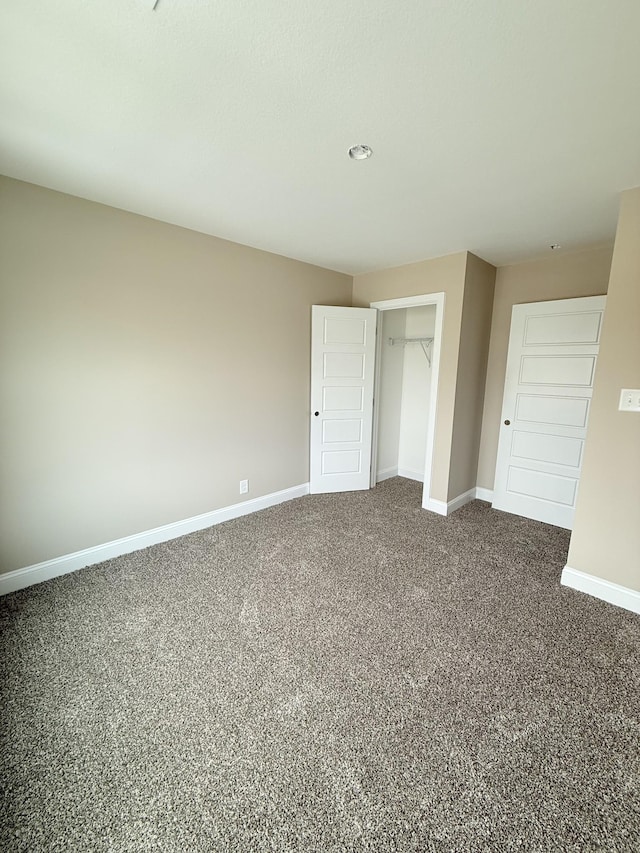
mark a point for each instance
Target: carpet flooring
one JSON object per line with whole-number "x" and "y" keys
{"x": 338, "y": 673}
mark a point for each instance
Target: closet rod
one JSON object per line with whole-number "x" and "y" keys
{"x": 395, "y": 341}
{"x": 425, "y": 343}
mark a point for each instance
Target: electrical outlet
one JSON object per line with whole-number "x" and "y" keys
{"x": 629, "y": 400}
{"x": 244, "y": 487}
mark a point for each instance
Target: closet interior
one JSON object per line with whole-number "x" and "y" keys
{"x": 404, "y": 391}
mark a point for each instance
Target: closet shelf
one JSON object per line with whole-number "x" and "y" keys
{"x": 425, "y": 343}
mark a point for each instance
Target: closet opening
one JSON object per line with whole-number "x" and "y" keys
{"x": 406, "y": 386}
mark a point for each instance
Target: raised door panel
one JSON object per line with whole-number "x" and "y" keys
{"x": 557, "y": 370}
{"x": 548, "y": 329}
{"x": 541, "y": 447}
{"x": 553, "y": 410}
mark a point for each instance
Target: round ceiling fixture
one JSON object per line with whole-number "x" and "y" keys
{"x": 360, "y": 152}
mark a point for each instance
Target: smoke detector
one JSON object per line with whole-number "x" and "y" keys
{"x": 360, "y": 152}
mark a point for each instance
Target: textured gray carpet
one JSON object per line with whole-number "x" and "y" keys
{"x": 340, "y": 673}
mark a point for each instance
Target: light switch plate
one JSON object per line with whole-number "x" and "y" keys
{"x": 629, "y": 400}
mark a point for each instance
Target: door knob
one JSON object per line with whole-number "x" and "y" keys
{"x": 507, "y": 423}
{"x": 316, "y": 413}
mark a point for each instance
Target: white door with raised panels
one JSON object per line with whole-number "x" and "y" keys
{"x": 343, "y": 344}
{"x": 553, "y": 347}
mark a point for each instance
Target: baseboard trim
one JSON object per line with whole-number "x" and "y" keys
{"x": 483, "y": 494}
{"x": 461, "y": 500}
{"x": 612, "y": 593}
{"x": 443, "y": 508}
{"x": 21, "y": 578}
{"x": 436, "y": 506}
{"x": 411, "y": 475}
{"x": 385, "y": 474}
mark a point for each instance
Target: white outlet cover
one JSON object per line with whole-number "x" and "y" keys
{"x": 629, "y": 400}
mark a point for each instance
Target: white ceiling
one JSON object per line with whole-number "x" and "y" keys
{"x": 498, "y": 126}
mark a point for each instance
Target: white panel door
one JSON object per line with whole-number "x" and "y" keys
{"x": 342, "y": 371}
{"x": 553, "y": 347}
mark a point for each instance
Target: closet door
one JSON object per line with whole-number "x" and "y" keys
{"x": 342, "y": 376}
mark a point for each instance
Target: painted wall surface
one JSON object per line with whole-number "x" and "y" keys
{"x": 475, "y": 333}
{"x": 416, "y": 387}
{"x": 606, "y": 535}
{"x": 390, "y": 392}
{"x": 446, "y": 275}
{"x": 145, "y": 369}
{"x": 564, "y": 276}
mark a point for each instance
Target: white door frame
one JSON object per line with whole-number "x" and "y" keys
{"x": 436, "y": 299}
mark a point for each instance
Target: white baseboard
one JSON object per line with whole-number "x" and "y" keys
{"x": 411, "y": 475}
{"x": 621, "y": 596}
{"x": 436, "y": 506}
{"x": 21, "y": 578}
{"x": 461, "y": 500}
{"x": 385, "y": 474}
{"x": 483, "y": 494}
{"x": 443, "y": 508}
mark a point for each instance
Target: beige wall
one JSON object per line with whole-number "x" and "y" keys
{"x": 584, "y": 273}
{"x": 145, "y": 370}
{"x": 445, "y": 274}
{"x": 606, "y": 534}
{"x": 472, "y": 373}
